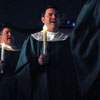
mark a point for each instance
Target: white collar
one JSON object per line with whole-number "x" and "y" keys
{"x": 51, "y": 36}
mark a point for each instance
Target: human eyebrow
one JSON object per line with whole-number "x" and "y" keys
{"x": 8, "y": 32}
{"x": 56, "y": 14}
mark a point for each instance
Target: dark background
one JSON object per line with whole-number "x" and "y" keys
{"x": 25, "y": 14}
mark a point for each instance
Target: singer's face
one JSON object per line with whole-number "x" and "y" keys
{"x": 51, "y": 19}
{"x": 7, "y": 36}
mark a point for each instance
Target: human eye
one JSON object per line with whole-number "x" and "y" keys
{"x": 50, "y": 14}
{"x": 6, "y": 32}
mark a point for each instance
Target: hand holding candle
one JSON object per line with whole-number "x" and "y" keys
{"x": 3, "y": 47}
{"x": 2, "y": 58}
{"x": 44, "y": 39}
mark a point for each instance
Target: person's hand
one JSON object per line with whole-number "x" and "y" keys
{"x": 1, "y": 67}
{"x": 43, "y": 59}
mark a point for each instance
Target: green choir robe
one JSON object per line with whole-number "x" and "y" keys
{"x": 8, "y": 87}
{"x": 85, "y": 48}
{"x": 53, "y": 81}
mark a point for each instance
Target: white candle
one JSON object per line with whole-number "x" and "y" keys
{"x": 44, "y": 39}
{"x": 3, "y": 47}
{"x": 2, "y": 51}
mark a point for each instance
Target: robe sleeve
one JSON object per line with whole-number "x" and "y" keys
{"x": 85, "y": 45}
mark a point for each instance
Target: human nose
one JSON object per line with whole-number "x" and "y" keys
{"x": 53, "y": 16}
{"x": 9, "y": 33}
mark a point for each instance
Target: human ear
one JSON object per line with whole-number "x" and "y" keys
{"x": 43, "y": 19}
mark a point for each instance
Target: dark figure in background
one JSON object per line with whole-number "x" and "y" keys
{"x": 48, "y": 76}
{"x": 8, "y": 65}
{"x": 85, "y": 45}
{"x": 7, "y": 38}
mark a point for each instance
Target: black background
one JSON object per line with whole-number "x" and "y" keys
{"x": 25, "y": 15}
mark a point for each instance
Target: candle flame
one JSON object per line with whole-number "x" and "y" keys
{"x": 44, "y": 38}
{"x": 6, "y": 46}
{"x": 45, "y": 27}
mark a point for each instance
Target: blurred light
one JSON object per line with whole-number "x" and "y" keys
{"x": 68, "y": 21}
{"x": 73, "y": 24}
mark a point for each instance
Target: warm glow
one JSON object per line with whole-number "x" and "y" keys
{"x": 44, "y": 39}
{"x": 45, "y": 28}
{"x": 3, "y": 47}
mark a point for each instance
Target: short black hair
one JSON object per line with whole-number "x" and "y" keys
{"x": 5, "y": 25}
{"x": 50, "y": 6}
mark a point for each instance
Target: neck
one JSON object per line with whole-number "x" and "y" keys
{"x": 55, "y": 30}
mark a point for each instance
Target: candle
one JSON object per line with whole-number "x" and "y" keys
{"x": 3, "y": 47}
{"x": 44, "y": 39}
{"x": 2, "y": 51}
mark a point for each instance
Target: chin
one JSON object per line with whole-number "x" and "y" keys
{"x": 8, "y": 42}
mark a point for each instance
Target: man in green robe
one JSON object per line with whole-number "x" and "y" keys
{"x": 8, "y": 85}
{"x": 49, "y": 75}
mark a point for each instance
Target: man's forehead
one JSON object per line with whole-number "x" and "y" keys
{"x": 6, "y": 29}
{"x": 51, "y": 10}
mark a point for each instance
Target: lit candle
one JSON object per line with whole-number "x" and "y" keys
{"x": 44, "y": 39}
{"x": 2, "y": 51}
{"x": 3, "y": 47}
